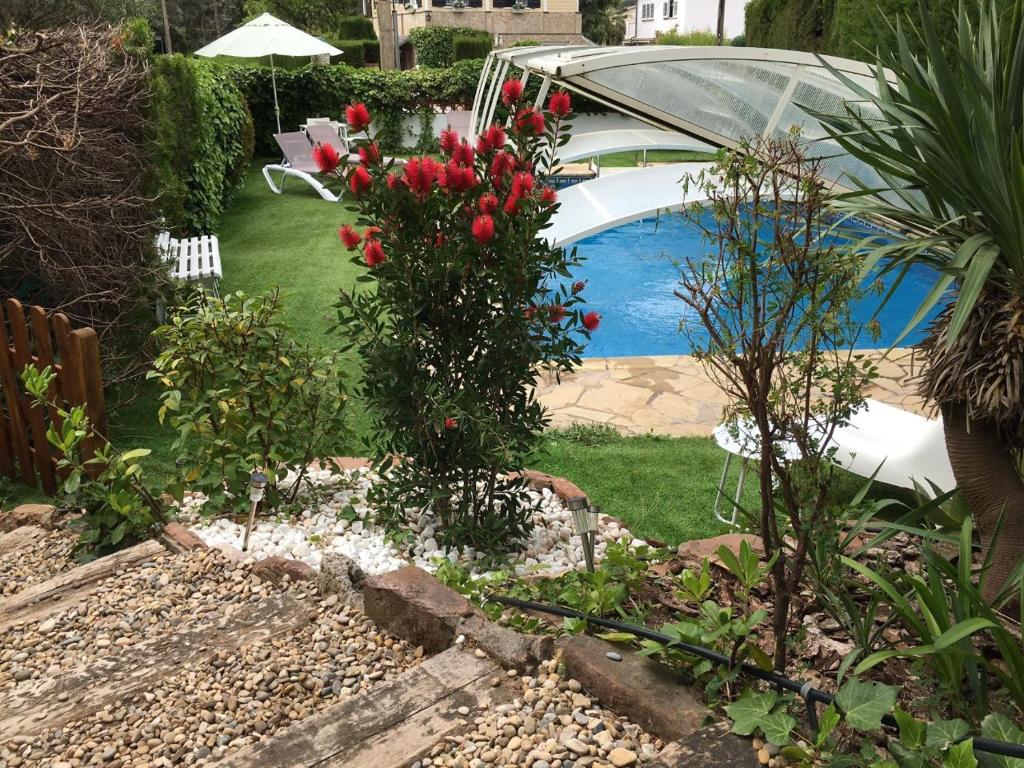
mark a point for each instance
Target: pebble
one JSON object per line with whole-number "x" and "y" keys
{"x": 614, "y": 656}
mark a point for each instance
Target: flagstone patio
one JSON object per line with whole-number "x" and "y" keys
{"x": 672, "y": 395}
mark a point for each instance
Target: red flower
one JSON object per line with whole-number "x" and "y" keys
{"x": 449, "y": 141}
{"x": 511, "y": 205}
{"x": 502, "y": 163}
{"x": 529, "y": 312}
{"x": 492, "y": 139}
{"x": 439, "y": 239}
{"x": 358, "y": 117}
{"x": 359, "y": 180}
{"x": 349, "y": 237}
{"x": 591, "y": 320}
{"x": 483, "y": 228}
{"x": 578, "y": 286}
{"x": 370, "y": 154}
{"x": 373, "y": 253}
{"x": 487, "y": 203}
{"x": 450, "y": 423}
{"x": 530, "y": 119}
{"x": 463, "y": 154}
{"x": 548, "y": 196}
{"x": 511, "y": 91}
{"x": 420, "y": 174}
{"x": 370, "y": 233}
{"x": 391, "y": 180}
{"x": 560, "y": 104}
{"x": 326, "y": 157}
{"x": 522, "y": 184}
{"x": 556, "y": 313}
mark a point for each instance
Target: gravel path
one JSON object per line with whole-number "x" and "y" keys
{"x": 201, "y": 712}
{"x": 551, "y": 724}
{"x": 39, "y": 561}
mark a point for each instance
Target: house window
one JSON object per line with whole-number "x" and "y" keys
{"x": 647, "y": 12}
{"x": 670, "y": 8}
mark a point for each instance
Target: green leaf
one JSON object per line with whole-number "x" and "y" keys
{"x": 748, "y": 712}
{"x": 864, "y": 703}
{"x": 777, "y": 727}
{"x": 942, "y": 733}
{"x": 912, "y": 730}
{"x": 827, "y": 722}
{"x": 617, "y": 637}
{"x": 136, "y": 453}
{"x": 961, "y": 756}
{"x": 999, "y": 727}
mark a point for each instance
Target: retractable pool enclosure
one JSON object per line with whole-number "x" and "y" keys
{"x": 717, "y": 95}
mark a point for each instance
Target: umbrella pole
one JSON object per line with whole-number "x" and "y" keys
{"x": 273, "y": 80}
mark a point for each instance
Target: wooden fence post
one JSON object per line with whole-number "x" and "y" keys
{"x": 15, "y": 414}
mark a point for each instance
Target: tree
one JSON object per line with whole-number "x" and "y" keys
{"x": 773, "y": 330}
{"x": 946, "y": 140}
{"x": 604, "y": 21}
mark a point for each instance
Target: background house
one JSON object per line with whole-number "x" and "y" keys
{"x": 646, "y": 18}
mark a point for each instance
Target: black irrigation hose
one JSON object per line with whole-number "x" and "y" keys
{"x": 808, "y": 693}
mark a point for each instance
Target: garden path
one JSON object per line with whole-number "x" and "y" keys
{"x": 672, "y": 395}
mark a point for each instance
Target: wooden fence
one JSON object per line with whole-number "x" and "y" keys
{"x": 41, "y": 340}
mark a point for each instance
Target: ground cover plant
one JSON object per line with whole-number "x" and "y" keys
{"x": 461, "y": 311}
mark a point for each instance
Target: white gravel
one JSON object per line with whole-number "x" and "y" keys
{"x": 337, "y": 518}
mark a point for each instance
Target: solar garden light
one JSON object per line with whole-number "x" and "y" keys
{"x": 585, "y": 520}
{"x": 257, "y": 485}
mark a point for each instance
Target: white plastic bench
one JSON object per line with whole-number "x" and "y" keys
{"x": 192, "y": 258}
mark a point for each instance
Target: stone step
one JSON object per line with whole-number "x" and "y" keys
{"x": 66, "y": 589}
{"x": 33, "y": 706}
{"x": 19, "y": 538}
{"x": 710, "y": 747}
{"x": 393, "y": 725}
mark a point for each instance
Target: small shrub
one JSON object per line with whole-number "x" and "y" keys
{"x": 470, "y": 47}
{"x": 696, "y": 37}
{"x": 355, "y": 28}
{"x": 462, "y": 312}
{"x": 435, "y": 46}
{"x": 245, "y": 396}
{"x": 353, "y": 52}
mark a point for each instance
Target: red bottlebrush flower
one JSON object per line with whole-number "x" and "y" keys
{"x": 420, "y": 174}
{"x": 502, "y": 163}
{"x": 463, "y": 154}
{"x": 456, "y": 179}
{"x": 373, "y": 253}
{"x": 556, "y": 313}
{"x": 391, "y": 180}
{"x": 492, "y": 139}
{"x": 358, "y": 117}
{"x": 529, "y": 312}
{"x": 326, "y": 157}
{"x": 369, "y": 154}
{"x": 522, "y": 184}
{"x": 578, "y": 286}
{"x": 359, "y": 180}
{"x": 560, "y": 104}
{"x": 483, "y": 228}
{"x": 349, "y": 237}
{"x": 450, "y": 423}
{"x": 511, "y": 206}
{"x": 449, "y": 141}
{"x": 591, "y": 320}
{"x": 511, "y": 91}
{"x": 487, "y": 203}
{"x": 548, "y": 196}
{"x": 530, "y": 120}
{"x": 439, "y": 239}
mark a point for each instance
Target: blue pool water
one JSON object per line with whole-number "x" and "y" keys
{"x": 631, "y": 277}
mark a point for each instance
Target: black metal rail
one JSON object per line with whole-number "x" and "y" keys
{"x": 812, "y": 696}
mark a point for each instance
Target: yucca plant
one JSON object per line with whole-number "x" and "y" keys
{"x": 945, "y": 133}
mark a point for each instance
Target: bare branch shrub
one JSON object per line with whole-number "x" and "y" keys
{"x": 76, "y": 229}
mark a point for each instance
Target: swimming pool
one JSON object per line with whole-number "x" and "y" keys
{"x": 631, "y": 278}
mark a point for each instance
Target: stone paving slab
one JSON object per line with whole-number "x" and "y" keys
{"x": 672, "y": 395}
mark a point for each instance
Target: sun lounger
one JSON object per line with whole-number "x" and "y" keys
{"x": 298, "y": 162}
{"x": 325, "y": 134}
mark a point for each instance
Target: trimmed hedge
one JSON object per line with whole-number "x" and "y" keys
{"x": 201, "y": 140}
{"x": 355, "y": 28}
{"x": 435, "y": 46}
{"x": 357, "y": 53}
{"x": 325, "y": 91}
{"x": 471, "y": 46}
{"x": 850, "y": 28}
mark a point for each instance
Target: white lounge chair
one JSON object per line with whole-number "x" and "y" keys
{"x": 326, "y": 135}
{"x": 298, "y": 162}
{"x": 896, "y": 446}
{"x": 193, "y": 259}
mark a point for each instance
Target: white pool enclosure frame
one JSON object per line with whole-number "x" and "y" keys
{"x": 714, "y": 96}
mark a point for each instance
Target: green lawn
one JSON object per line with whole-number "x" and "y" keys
{"x": 663, "y": 488}
{"x": 630, "y": 159}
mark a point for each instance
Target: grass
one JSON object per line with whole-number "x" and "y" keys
{"x": 631, "y": 159}
{"x": 663, "y": 488}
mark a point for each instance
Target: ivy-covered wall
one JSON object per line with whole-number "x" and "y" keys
{"x": 849, "y": 28}
{"x": 435, "y": 45}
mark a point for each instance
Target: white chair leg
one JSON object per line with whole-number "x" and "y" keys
{"x": 721, "y": 492}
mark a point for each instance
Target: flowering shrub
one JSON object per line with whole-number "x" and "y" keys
{"x": 461, "y": 309}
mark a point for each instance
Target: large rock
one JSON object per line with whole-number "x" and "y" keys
{"x": 177, "y": 538}
{"x": 561, "y": 487}
{"x": 695, "y": 551}
{"x": 638, "y": 688}
{"x": 413, "y": 604}
{"x": 42, "y": 515}
{"x": 340, "y": 575}
{"x": 710, "y": 747}
{"x": 277, "y": 568}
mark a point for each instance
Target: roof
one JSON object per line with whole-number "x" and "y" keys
{"x": 719, "y": 95}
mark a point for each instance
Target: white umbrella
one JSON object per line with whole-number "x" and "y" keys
{"x": 265, "y": 36}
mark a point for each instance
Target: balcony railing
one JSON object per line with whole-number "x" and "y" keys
{"x": 517, "y": 5}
